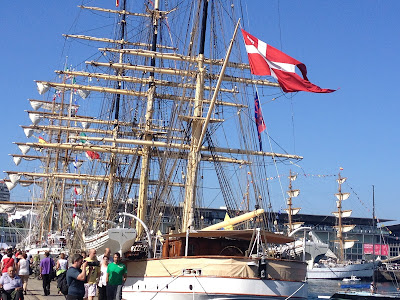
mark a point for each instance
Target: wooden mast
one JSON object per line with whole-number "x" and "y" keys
{"x": 290, "y": 210}
{"x": 340, "y": 226}
{"x": 340, "y": 214}
{"x": 289, "y": 202}
{"x": 113, "y": 156}
{"x": 194, "y": 154}
{"x": 145, "y": 166}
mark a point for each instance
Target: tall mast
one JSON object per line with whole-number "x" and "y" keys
{"x": 373, "y": 235}
{"x": 113, "y": 156}
{"x": 340, "y": 228}
{"x": 144, "y": 171}
{"x": 194, "y": 154}
{"x": 340, "y": 214}
{"x": 290, "y": 210}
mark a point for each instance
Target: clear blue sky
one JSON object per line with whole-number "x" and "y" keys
{"x": 351, "y": 45}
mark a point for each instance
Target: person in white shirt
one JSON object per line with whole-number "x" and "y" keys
{"x": 23, "y": 271}
{"x": 103, "y": 279}
{"x": 12, "y": 285}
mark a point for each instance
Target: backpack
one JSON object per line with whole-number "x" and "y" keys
{"x": 62, "y": 283}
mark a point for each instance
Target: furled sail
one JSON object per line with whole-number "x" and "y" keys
{"x": 342, "y": 196}
{"x": 345, "y": 213}
{"x": 28, "y": 132}
{"x": 348, "y": 244}
{"x": 293, "y": 210}
{"x": 35, "y": 118}
{"x": 293, "y": 193}
{"x": 42, "y": 88}
{"x": 24, "y": 149}
{"x": 346, "y": 228}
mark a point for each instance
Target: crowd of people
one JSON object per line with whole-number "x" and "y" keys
{"x": 86, "y": 277}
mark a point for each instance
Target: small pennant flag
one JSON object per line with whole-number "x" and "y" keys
{"x": 259, "y": 119}
{"x": 42, "y": 140}
{"x": 82, "y": 134}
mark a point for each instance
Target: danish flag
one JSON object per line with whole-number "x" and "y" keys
{"x": 267, "y": 60}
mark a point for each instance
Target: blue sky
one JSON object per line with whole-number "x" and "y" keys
{"x": 351, "y": 45}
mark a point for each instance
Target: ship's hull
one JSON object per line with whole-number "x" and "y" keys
{"x": 389, "y": 275}
{"x": 339, "y": 272}
{"x": 213, "y": 278}
{"x": 116, "y": 238}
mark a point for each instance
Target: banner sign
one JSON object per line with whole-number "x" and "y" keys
{"x": 379, "y": 249}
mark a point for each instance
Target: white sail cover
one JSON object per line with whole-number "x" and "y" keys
{"x": 14, "y": 178}
{"x": 35, "y": 118}
{"x": 346, "y": 228}
{"x": 17, "y": 160}
{"x": 345, "y": 213}
{"x": 293, "y": 193}
{"x": 9, "y": 185}
{"x": 293, "y": 177}
{"x": 24, "y": 149}
{"x": 25, "y": 183}
{"x": 30, "y": 158}
{"x": 294, "y": 211}
{"x": 348, "y": 244}
{"x": 342, "y": 196}
{"x": 329, "y": 253}
{"x": 35, "y": 104}
{"x": 85, "y": 125}
{"x": 42, "y": 88}
{"x": 341, "y": 180}
{"x": 297, "y": 225}
{"x": 28, "y": 132}
{"x": 83, "y": 93}
{"x": 19, "y": 214}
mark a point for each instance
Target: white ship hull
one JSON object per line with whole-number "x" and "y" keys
{"x": 193, "y": 287}
{"x": 117, "y": 239}
{"x": 213, "y": 278}
{"x": 340, "y": 272}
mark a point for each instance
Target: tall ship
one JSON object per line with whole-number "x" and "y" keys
{"x": 160, "y": 116}
{"x": 338, "y": 267}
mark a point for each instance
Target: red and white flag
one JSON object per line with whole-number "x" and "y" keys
{"x": 92, "y": 155}
{"x": 116, "y": 3}
{"x": 267, "y": 60}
